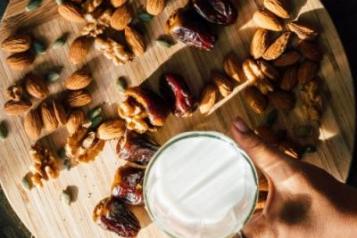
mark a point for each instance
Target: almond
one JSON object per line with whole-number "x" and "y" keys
{"x": 232, "y": 67}
{"x": 121, "y": 17}
{"x": 310, "y": 50}
{"x": 60, "y": 113}
{"x": 278, "y": 7}
{"x": 252, "y": 71}
{"x": 118, "y": 3}
{"x": 287, "y": 59}
{"x": 20, "y": 61}
{"x": 208, "y": 98}
{"x": 33, "y": 124}
{"x": 71, "y": 12}
{"x": 289, "y": 80}
{"x": 278, "y": 47}
{"x": 255, "y": 99}
{"x": 260, "y": 43}
{"x": 15, "y": 108}
{"x": 282, "y": 100}
{"x": 302, "y": 31}
{"x": 48, "y": 117}
{"x": 135, "y": 41}
{"x": 75, "y": 120}
{"x": 79, "y": 98}
{"x": 78, "y": 80}
{"x": 307, "y": 71}
{"x": 111, "y": 130}
{"x": 17, "y": 43}
{"x": 79, "y": 49}
{"x": 268, "y": 70}
{"x": 224, "y": 85}
{"x": 155, "y": 7}
{"x": 267, "y": 20}
{"x": 36, "y": 86}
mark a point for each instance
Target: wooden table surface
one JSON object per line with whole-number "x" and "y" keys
{"x": 334, "y": 155}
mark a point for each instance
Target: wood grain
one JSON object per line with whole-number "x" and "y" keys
{"x": 41, "y": 209}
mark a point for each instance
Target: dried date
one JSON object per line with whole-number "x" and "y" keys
{"x": 128, "y": 185}
{"x": 178, "y": 95}
{"x": 136, "y": 148}
{"x": 221, "y": 12}
{"x": 112, "y": 214}
{"x": 185, "y": 25}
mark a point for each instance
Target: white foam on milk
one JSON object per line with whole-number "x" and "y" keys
{"x": 200, "y": 187}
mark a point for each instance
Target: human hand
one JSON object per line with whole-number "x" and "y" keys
{"x": 304, "y": 201}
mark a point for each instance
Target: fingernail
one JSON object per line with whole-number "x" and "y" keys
{"x": 240, "y": 125}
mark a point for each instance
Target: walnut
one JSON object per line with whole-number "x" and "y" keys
{"x": 83, "y": 146}
{"x": 311, "y": 98}
{"x": 143, "y": 110}
{"x": 45, "y": 165}
{"x": 113, "y": 50}
{"x": 97, "y": 24}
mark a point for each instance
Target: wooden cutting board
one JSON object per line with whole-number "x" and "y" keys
{"x": 41, "y": 209}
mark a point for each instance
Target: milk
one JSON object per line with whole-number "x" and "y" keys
{"x": 200, "y": 184}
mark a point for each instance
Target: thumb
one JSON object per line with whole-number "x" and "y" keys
{"x": 271, "y": 161}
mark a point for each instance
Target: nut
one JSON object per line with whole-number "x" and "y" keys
{"x": 252, "y": 71}
{"x": 118, "y": 3}
{"x": 289, "y": 80}
{"x": 155, "y": 7}
{"x": 91, "y": 5}
{"x": 224, "y": 85}
{"x": 20, "y": 61}
{"x": 17, "y": 43}
{"x": 278, "y": 47}
{"x": 232, "y": 67}
{"x": 15, "y": 108}
{"x": 267, "y": 20}
{"x": 79, "y": 49}
{"x": 255, "y": 99}
{"x": 48, "y": 117}
{"x": 33, "y": 124}
{"x": 282, "y": 100}
{"x": 15, "y": 92}
{"x": 310, "y": 50}
{"x": 113, "y": 50}
{"x": 135, "y": 41}
{"x": 208, "y": 98}
{"x": 71, "y": 12}
{"x": 75, "y": 120}
{"x": 60, "y": 113}
{"x": 78, "y": 80}
{"x": 121, "y": 17}
{"x": 268, "y": 70}
{"x": 36, "y": 86}
{"x": 303, "y": 32}
{"x": 278, "y": 7}
{"x": 307, "y": 71}
{"x": 287, "y": 59}
{"x": 111, "y": 130}
{"x": 260, "y": 43}
{"x": 78, "y": 98}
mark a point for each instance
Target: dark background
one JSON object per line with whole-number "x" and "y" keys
{"x": 344, "y": 15}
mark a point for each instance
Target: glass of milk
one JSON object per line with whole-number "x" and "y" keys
{"x": 200, "y": 185}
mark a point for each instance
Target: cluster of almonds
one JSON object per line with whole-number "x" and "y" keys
{"x": 23, "y": 49}
{"x": 103, "y": 19}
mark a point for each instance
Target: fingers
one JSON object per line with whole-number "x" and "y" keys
{"x": 269, "y": 160}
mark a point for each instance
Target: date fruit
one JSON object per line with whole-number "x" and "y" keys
{"x": 112, "y": 214}
{"x": 177, "y": 94}
{"x": 136, "y": 148}
{"x": 221, "y": 12}
{"x": 128, "y": 185}
{"x": 186, "y": 26}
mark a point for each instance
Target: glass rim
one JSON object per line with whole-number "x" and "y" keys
{"x": 212, "y": 134}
